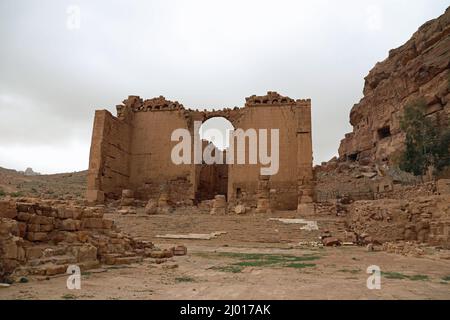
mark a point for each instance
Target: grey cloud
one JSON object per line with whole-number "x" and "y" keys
{"x": 205, "y": 54}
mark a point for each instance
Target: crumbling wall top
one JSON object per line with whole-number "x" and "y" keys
{"x": 273, "y": 98}
{"x": 137, "y": 104}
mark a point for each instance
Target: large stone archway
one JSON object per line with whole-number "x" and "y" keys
{"x": 132, "y": 150}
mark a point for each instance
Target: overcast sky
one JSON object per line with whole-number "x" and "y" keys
{"x": 211, "y": 54}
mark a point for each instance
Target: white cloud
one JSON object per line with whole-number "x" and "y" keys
{"x": 374, "y": 18}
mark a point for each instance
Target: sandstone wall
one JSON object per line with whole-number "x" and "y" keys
{"x": 423, "y": 219}
{"x": 109, "y": 156}
{"x": 133, "y": 150}
{"x": 293, "y": 120}
{"x": 44, "y": 238}
{"x": 150, "y": 160}
{"x": 417, "y": 69}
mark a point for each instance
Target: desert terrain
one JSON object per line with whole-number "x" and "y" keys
{"x": 256, "y": 258}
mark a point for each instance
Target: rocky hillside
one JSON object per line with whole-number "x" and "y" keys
{"x": 417, "y": 69}
{"x": 51, "y": 186}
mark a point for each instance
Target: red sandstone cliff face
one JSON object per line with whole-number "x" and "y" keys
{"x": 417, "y": 69}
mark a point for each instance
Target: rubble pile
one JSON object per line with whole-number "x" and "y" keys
{"x": 44, "y": 238}
{"x": 423, "y": 219}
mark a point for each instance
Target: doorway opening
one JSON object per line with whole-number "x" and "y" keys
{"x": 213, "y": 178}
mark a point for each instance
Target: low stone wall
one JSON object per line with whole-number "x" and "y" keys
{"x": 43, "y": 239}
{"x": 423, "y": 219}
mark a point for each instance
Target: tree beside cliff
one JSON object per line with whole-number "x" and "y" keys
{"x": 425, "y": 144}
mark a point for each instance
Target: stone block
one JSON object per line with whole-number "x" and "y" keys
{"x": 331, "y": 241}
{"x": 26, "y": 207}
{"x": 95, "y": 196}
{"x": 69, "y": 213}
{"x": 92, "y": 223}
{"x": 151, "y": 207}
{"x": 8, "y": 226}
{"x": 85, "y": 252}
{"x": 36, "y": 219}
{"x": 443, "y": 186}
{"x": 33, "y": 252}
{"x": 36, "y": 236}
{"x": 107, "y": 223}
{"x": 23, "y": 216}
{"x": 7, "y": 209}
{"x": 33, "y": 227}
{"x": 179, "y": 250}
{"x": 239, "y": 209}
{"x": 69, "y": 225}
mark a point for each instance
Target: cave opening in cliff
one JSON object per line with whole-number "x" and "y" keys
{"x": 352, "y": 157}
{"x": 384, "y": 132}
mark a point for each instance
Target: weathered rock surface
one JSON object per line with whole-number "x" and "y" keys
{"x": 417, "y": 69}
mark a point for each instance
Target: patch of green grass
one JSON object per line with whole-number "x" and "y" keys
{"x": 265, "y": 260}
{"x": 394, "y": 275}
{"x": 232, "y": 269}
{"x": 353, "y": 271}
{"x": 16, "y": 194}
{"x": 184, "y": 279}
{"x": 276, "y": 258}
{"x": 117, "y": 267}
{"x": 255, "y": 263}
{"x": 419, "y": 277}
{"x": 446, "y": 278}
{"x": 68, "y": 296}
{"x": 2, "y": 193}
{"x": 300, "y": 265}
{"x": 401, "y": 276}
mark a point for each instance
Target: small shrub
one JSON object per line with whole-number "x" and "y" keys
{"x": 300, "y": 265}
{"x": 232, "y": 269}
{"x": 401, "y": 276}
{"x": 184, "y": 279}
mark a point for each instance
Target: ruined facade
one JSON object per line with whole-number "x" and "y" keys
{"x": 418, "y": 70}
{"x": 133, "y": 151}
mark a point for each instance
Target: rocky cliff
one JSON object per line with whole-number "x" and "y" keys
{"x": 417, "y": 69}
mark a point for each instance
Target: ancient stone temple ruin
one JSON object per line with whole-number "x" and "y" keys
{"x": 132, "y": 151}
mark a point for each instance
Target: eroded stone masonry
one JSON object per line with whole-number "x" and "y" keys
{"x": 132, "y": 151}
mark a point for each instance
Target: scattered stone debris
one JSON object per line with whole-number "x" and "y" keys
{"x": 179, "y": 250}
{"x": 193, "y": 236}
{"x": 406, "y": 248}
{"x": 219, "y": 206}
{"x": 310, "y": 225}
{"x": 44, "y": 237}
{"x": 312, "y": 244}
{"x": 331, "y": 242}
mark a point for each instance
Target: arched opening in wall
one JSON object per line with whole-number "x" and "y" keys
{"x": 213, "y": 178}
